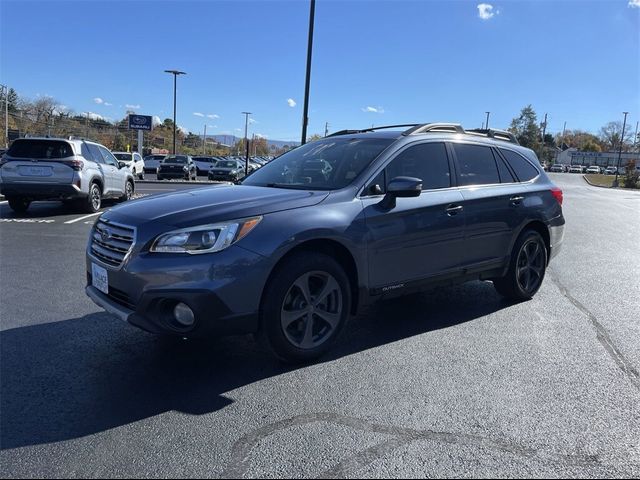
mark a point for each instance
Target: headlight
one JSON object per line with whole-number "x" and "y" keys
{"x": 204, "y": 238}
{"x": 157, "y": 169}
{"x": 233, "y": 172}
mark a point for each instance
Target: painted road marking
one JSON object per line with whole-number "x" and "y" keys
{"x": 82, "y": 218}
{"x": 25, "y": 220}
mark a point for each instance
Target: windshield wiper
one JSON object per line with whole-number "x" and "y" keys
{"x": 294, "y": 186}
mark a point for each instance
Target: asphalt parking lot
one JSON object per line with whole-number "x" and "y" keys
{"x": 455, "y": 382}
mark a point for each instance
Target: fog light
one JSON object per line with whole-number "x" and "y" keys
{"x": 183, "y": 315}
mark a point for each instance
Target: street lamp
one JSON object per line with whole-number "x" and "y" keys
{"x": 624, "y": 124}
{"x": 305, "y": 114}
{"x": 175, "y": 74}
{"x": 487, "y": 125}
{"x": 246, "y": 143}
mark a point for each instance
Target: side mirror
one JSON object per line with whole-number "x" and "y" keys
{"x": 121, "y": 164}
{"x": 401, "y": 187}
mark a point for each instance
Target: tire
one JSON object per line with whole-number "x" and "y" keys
{"x": 93, "y": 202}
{"x": 294, "y": 329}
{"x": 19, "y": 204}
{"x": 128, "y": 191}
{"x": 141, "y": 175}
{"x": 527, "y": 268}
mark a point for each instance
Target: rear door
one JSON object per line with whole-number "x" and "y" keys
{"x": 491, "y": 196}
{"x": 39, "y": 161}
{"x": 421, "y": 237}
{"x": 117, "y": 175}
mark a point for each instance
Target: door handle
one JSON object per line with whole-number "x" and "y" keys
{"x": 516, "y": 200}
{"x": 454, "y": 210}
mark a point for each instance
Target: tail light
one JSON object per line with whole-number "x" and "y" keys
{"x": 76, "y": 164}
{"x": 557, "y": 194}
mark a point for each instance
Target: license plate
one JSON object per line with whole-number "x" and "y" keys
{"x": 36, "y": 171}
{"x": 99, "y": 278}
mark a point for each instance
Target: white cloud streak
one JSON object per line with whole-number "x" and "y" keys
{"x": 485, "y": 11}
{"x": 213, "y": 116}
{"x": 291, "y": 102}
{"x": 198, "y": 114}
{"x": 634, "y": 4}
{"x": 98, "y": 100}
{"x": 133, "y": 107}
{"x": 370, "y": 109}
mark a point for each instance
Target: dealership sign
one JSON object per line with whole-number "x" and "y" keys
{"x": 140, "y": 122}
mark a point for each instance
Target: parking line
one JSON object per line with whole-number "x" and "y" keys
{"x": 82, "y": 218}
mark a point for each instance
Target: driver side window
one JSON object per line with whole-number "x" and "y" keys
{"x": 109, "y": 159}
{"x": 428, "y": 162}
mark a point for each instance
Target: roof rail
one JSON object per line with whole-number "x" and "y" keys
{"x": 435, "y": 127}
{"x": 372, "y": 129}
{"x": 495, "y": 133}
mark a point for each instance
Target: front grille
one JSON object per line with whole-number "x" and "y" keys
{"x": 111, "y": 242}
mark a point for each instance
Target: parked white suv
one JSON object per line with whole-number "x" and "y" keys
{"x": 132, "y": 160}
{"x": 75, "y": 171}
{"x": 593, "y": 169}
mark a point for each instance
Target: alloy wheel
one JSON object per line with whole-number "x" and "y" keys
{"x": 530, "y": 266}
{"x": 311, "y": 310}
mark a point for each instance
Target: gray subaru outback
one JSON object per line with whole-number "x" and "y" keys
{"x": 334, "y": 225}
{"x": 76, "y": 171}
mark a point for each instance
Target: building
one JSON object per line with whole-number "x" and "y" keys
{"x": 573, "y": 156}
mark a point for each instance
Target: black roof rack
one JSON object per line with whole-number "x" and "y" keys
{"x": 372, "y": 129}
{"x": 418, "y": 128}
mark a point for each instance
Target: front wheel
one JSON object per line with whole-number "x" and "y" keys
{"x": 306, "y": 304}
{"x": 94, "y": 200}
{"x": 128, "y": 191}
{"x": 527, "y": 268}
{"x": 19, "y": 204}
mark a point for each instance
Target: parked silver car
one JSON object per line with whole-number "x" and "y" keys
{"x": 76, "y": 171}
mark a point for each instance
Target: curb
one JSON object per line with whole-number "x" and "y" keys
{"x": 593, "y": 184}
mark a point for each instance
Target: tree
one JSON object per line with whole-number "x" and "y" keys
{"x": 610, "y": 136}
{"x": 12, "y": 99}
{"x": 525, "y": 128}
{"x": 581, "y": 140}
{"x": 314, "y": 137}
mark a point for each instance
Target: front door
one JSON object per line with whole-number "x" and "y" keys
{"x": 420, "y": 237}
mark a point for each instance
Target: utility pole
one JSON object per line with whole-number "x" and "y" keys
{"x": 175, "y": 74}
{"x": 326, "y": 128}
{"x": 246, "y": 142}
{"x": 624, "y": 124}
{"x": 564, "y": 127}
{"x": 487, "y": 125}
{"x": 305, "y": 114}
{"x": 635, "y": 137}
{"x": 5, "y": 89}
{"x": 544, "y": 131}
{"x": 204, "y": 140}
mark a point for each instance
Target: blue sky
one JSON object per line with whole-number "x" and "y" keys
{"x": 374, "y": 62}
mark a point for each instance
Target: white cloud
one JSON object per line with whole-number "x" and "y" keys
{"x": 183, "y": 130}
{"x": 238, "y": 129}
{"x": 213, "y": 116}
{"x": 373, "y": 109}
{"x": 94, "y": 116}
{"x": 198, "y": 114}
{"x": 98, "y": 100}
{"x": 291, "y": 102}
{"x": 156, "y": 120}
{"x": 634, "y": 4}
{"x": 251, "y": 121}
{"x": 133, "y": 107}
{"x": 107, "y": 104}
{"x": 259, "y": 135}
{"x": 485, "y": 11}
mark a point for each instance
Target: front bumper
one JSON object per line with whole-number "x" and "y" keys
{"x": 223, "y": 178}
{"x": 222, "y": 289}
{"x": 173, "y": 174}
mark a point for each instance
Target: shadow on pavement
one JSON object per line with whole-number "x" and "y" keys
{"x": 81, "y": 376}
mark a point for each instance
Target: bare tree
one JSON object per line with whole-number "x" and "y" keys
{"x": 610, "y": 136}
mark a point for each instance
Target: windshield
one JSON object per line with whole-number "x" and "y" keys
{"x": 123, "y": 156}
{"x": 327, "y": 164}
{"x": 40, "y": 149}
{"x": 176, "y": 159}
{"x": 226, "y": 164}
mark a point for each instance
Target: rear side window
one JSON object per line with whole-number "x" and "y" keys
{"x": 52, "y": 149}
{"x": 505, "y": 174}
{"x": 428, "y": 162}
{"x": 95, "y": 152}
{"x": 524, "y": 170}
{"x": 86, "y": 153}
{"x": 476, "y": 165}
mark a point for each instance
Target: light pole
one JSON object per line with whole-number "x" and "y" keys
{"x": 487, "y": 125}
{"x": 5, "y": 88}
{"x": 624, "y": 124}
{"x": 246, "y": 142}
{"x": 305, "y": 114}
{"x": 175, "y": 74}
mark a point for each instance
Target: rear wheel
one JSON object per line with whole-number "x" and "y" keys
{"x": 93, "y": 202}
{"x": 306, "y": 305}
{"x": 19, "y": 204}
{"x": 141, "y": 174}
{"x": 526, "y": 269}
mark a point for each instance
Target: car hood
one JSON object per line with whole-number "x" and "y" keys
{"x": 211, "y": 204}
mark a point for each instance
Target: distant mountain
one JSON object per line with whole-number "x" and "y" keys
{"x": 232, "y": 139}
